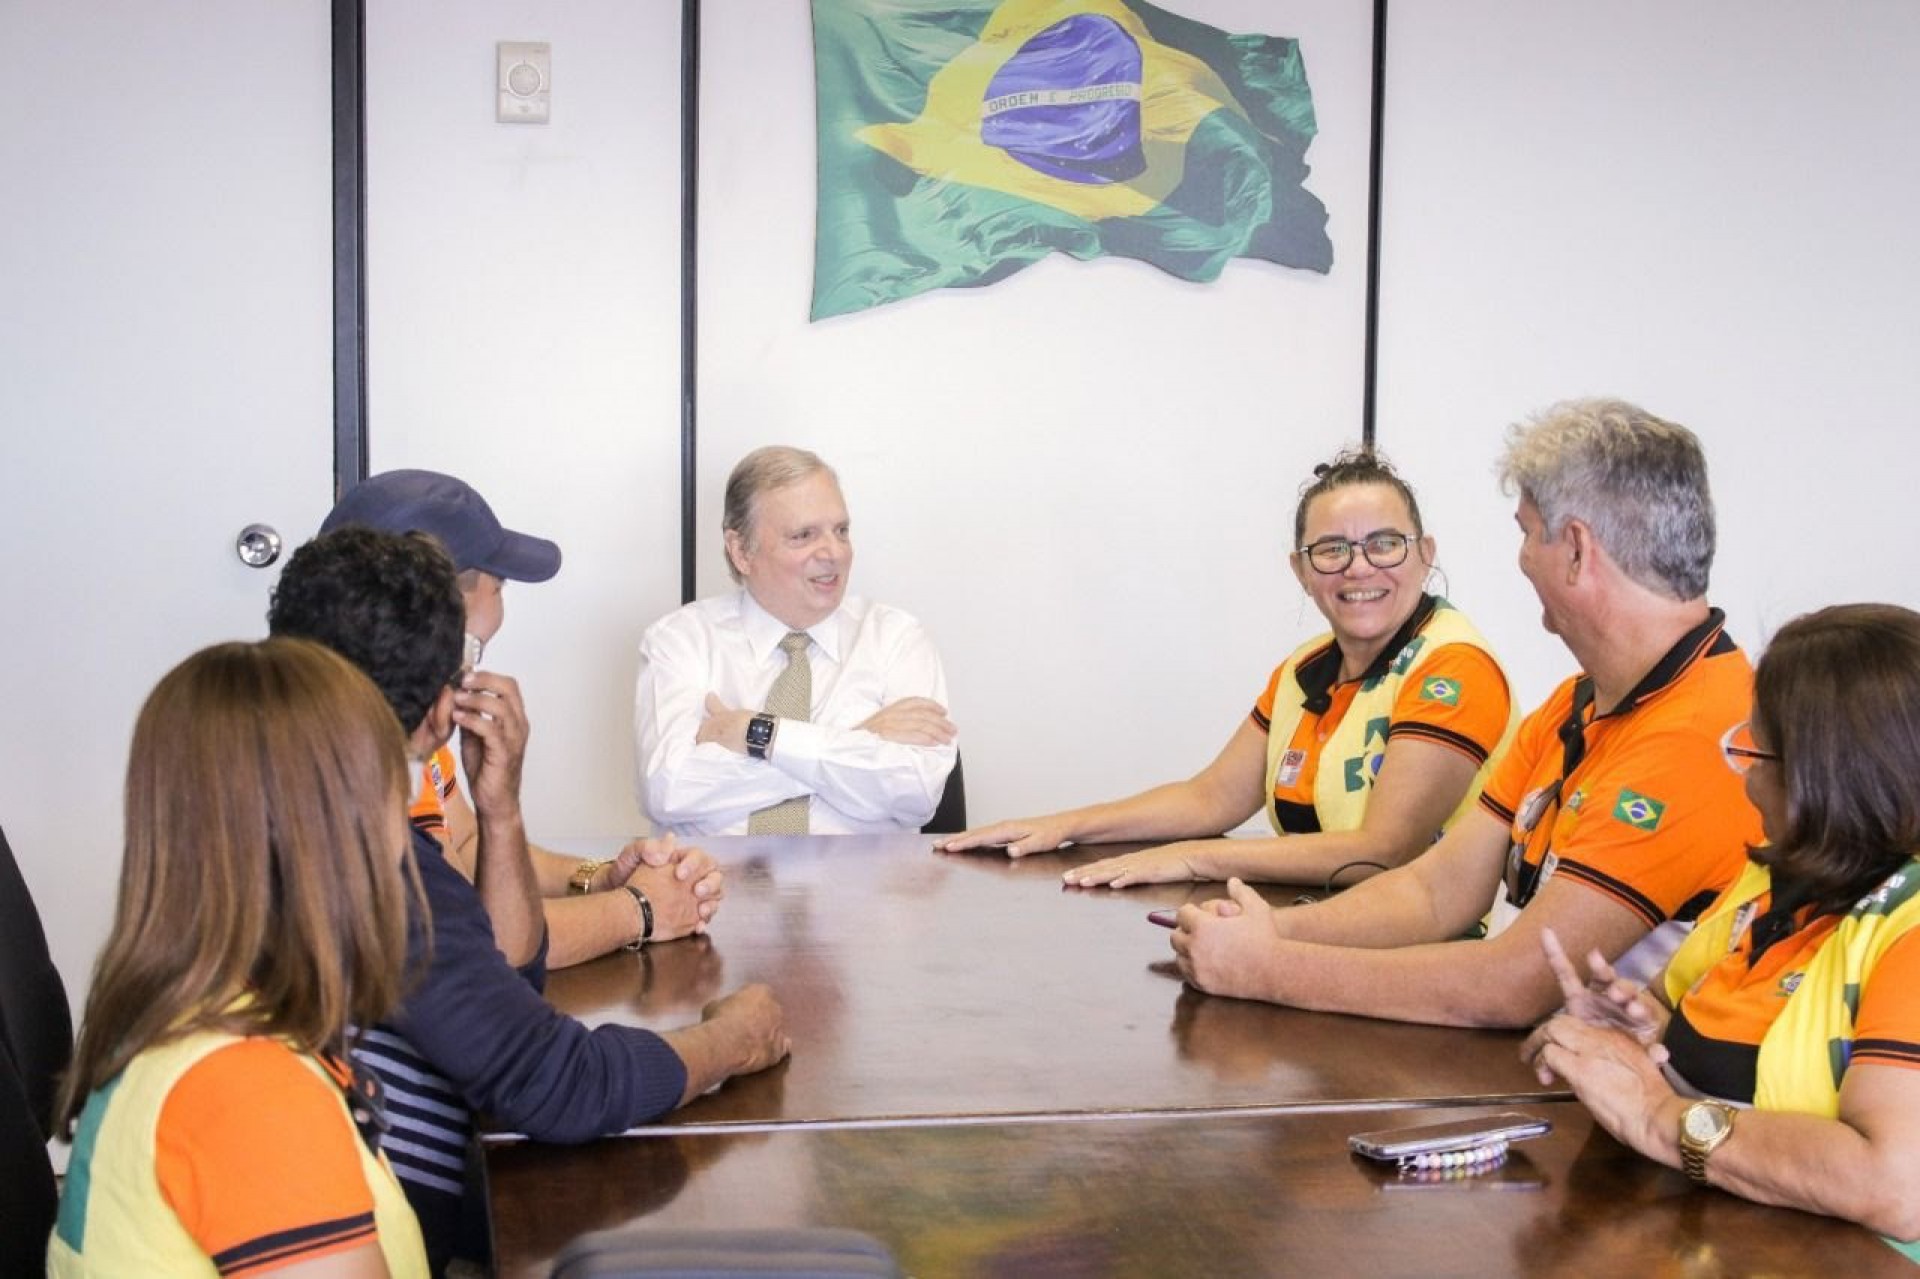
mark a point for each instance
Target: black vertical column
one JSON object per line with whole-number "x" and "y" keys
{"x": 349, "y": 245}
{"x": 1375, "y": 151}
{"x": 689, "y": 287}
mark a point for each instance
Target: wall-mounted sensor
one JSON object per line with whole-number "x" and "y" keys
{"x": 525, "y": 81}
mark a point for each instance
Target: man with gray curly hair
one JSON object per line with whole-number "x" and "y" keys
{"x": 1614, "y": 818}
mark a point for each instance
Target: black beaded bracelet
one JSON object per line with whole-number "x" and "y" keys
{"x": 646, "y": 918}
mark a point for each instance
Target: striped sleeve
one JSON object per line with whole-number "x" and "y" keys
{"x": 1536, "y": 747}
{"x": 1663, "y": 825}
{"x": 428, "y": 1121}
{"x": 258, "y": 1159}
{"x": 1650, "y": 910}
{"x": 1458, "y": 699}
{"x": 1887, "y": 1030}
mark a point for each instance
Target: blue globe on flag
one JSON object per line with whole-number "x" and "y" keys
{"x": 1068, "y": 103}
{"x": 961, "y": 141}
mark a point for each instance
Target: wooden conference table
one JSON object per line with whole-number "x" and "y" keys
{"x": 996, "y": 1075}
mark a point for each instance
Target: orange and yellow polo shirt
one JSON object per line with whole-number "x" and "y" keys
{"x": 1454, "y": 694}
{"x": 429, "y": 810}
{"x": 1650, "y": 814}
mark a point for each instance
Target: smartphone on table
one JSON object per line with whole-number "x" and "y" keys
{"x": 1391, "y": 1145}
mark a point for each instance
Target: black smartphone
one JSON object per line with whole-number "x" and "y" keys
{"x": 1164, "y": 918}
{"x": 1389, "y": 1144}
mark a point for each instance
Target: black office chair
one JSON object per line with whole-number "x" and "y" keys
{"x": 637, "y": 1252}
{"x": 950, "y": 818}
{"x": 36, "y": 1041}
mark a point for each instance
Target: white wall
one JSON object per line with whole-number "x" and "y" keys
{"x": 166, "y": 352}
{"x": 1706, "y": 208}
{"x": 1701, "y": 207}
{"x": 1072, "y": 477}
{"x": 523, "y": 333}
{"x": 1081, "y": 478}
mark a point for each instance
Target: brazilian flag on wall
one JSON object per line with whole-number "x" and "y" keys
{"x": 961, "y": 141}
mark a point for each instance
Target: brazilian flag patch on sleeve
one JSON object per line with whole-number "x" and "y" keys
{"x": 1642, "y": 812}
{"x": 1438, "y": 688}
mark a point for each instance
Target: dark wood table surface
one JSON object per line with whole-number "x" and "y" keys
{"x": 923, "y": 984}
{"x": 1273, "y": 1194}
{"x": 997, "y": 1076}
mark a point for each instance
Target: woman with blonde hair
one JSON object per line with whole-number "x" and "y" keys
{"x": 218, "y": 1124}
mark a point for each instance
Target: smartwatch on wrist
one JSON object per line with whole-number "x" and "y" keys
{"x": 760, "y": 735}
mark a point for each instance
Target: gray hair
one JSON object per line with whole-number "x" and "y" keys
{"x": 764, "y": 469}
{"x": 1638, "y": 482}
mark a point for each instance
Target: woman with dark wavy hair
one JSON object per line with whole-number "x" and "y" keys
{"x": 218, "y": 1126}
{"x": 1779, "y": 1056}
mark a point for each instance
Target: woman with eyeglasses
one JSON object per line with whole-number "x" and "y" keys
{"x": 218, "y": 1125}
{"x": 1778, "y": 1057}
{"x": 1367, "y": 741}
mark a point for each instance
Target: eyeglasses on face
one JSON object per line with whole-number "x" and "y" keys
{"x": 1738, "y": 749}
{"x": 1384, "y": 548}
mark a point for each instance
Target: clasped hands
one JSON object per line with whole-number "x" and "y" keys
{"x": 685, "y": 885}
{"x": 1603, "y": 1001}
{"x": 911, "y": 721}
{"x": 1227, "y": 946}
{"x": 1606, "y": 1045}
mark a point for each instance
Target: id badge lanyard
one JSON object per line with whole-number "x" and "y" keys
{"x": 1523, "y": 878}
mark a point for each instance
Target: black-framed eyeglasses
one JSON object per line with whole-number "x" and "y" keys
{"x": 1737, "y": 748}
{"x": 1384, "y": 548}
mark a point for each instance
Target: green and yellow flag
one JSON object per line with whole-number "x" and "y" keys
{"x": 961, "y": 141}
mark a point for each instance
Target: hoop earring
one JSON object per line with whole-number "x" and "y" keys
{"x": 1435, "y": 571}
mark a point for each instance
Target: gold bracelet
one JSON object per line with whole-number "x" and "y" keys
{"x": 583, "y": 877}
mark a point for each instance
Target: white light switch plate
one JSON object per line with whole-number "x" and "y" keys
{"x": 525, "y": 81}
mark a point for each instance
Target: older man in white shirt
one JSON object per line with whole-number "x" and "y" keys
{"x": 787, "y": 707}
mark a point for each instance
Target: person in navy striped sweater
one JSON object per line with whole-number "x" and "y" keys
{"x": 473, "y": 1034}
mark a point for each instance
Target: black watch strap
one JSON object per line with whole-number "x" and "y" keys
{"x": 760, "y": 735}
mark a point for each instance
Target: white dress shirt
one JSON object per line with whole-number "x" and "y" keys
{"x": 863, "y": 657}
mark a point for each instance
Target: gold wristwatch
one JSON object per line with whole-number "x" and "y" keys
{"x": 583, "y": 874}
{"x": 1704, "y": 1127}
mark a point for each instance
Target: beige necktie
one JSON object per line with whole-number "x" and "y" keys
{"x": 791, "y": 697}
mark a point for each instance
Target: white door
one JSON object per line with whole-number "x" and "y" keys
{"x": 165, "y": 355}
{"x": 523, "y": 296}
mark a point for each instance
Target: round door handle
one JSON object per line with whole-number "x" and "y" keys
{"x": 258, "y": 545}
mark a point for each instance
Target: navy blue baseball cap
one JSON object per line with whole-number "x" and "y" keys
{"x": 448, "y": 509}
